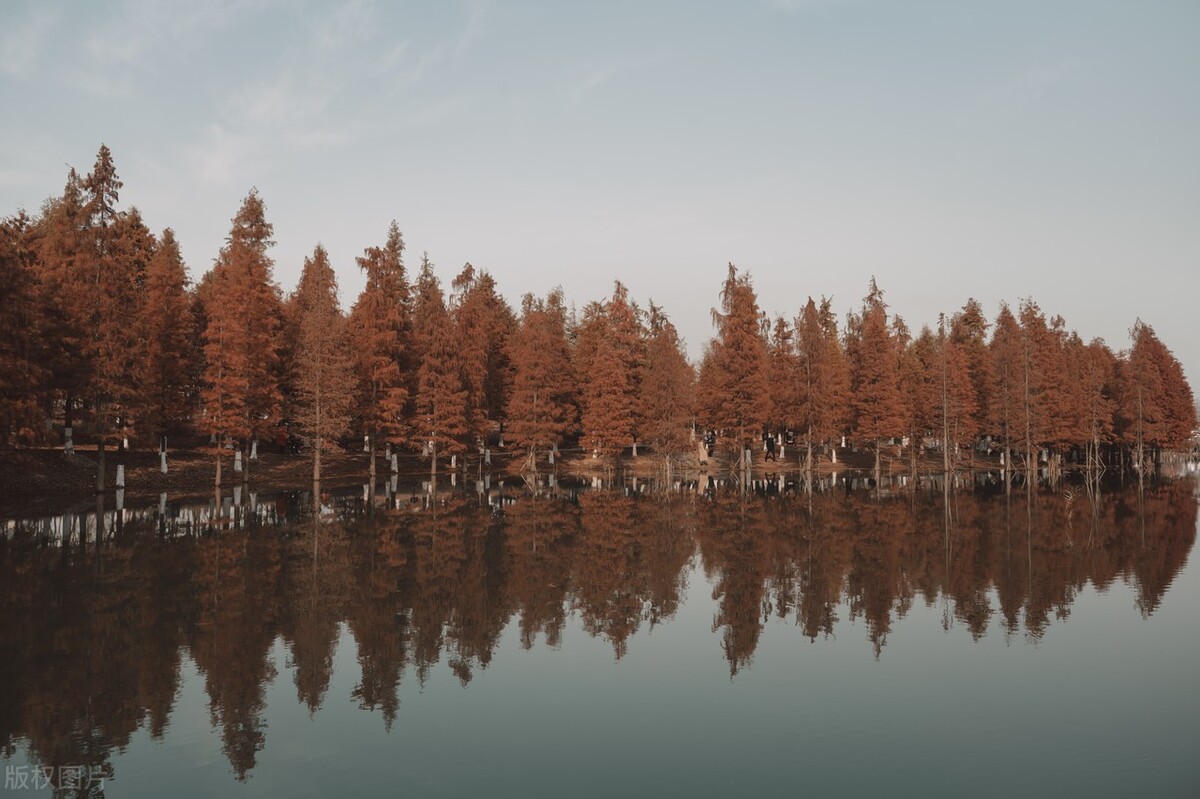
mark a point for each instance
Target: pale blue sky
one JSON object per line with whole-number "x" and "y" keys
{"x": 953, "y": 149}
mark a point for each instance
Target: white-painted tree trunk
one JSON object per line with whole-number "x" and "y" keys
{"x": 120, "y": 475}
{"x": 162, "y": 462}
{"x": 254, "y": 450}
{"x": 237, "y": 461}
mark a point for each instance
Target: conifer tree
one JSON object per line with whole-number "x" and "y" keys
{"x": 118, "y": 247}
{"x": 968, "y": 333}
{"x": 919, "y": 375}
{"x": 168, "y": 390}
{"x": 1005, "y": 395}
{"x": 22, "y": 374}
{"x": 822, "y": 378}
{"x": 440, "y": 420}
{"x": 607, "y": 417}
{"x": 60, "y": 244}
{"x": 786, "y": 386}
{"x": 1044, "y": 402}
{"x": 736, "y": 396}
{"x": 380, "y": 333}
{"x": 616, "y": 325}
{"x": 1158, "y": 402}
{"x": 484, "y": 322}
{"x": 324, "y": 377}
{"x": 541, "y": 408}
{"x": 878, "y": 409}
{"x": 242, "y": 395}
{"x": 666, "y": 389}
{"x": 957, "y": 404}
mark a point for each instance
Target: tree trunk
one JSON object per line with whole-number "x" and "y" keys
{"x": 100, "y": 465}
{"x": 371, "y": 468}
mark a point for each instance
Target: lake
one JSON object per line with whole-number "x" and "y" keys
{"x": 601, "y": 643}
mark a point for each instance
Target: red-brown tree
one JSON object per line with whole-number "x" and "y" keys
{"x": 323, "y": 374}
{"x": 171, "y": 356}
{"x": 542, "y": 407}
{"x": 878, "y": 407}
{"x": 736, "y": 397}
{"x": 380, "y": 333}
{"x": 440, "y": 421}
{"x": 242, "y": 395}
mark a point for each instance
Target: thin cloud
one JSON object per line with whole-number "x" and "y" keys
{"x": 21, "y": 43}
{"x": 221, "y": 157}
{"x": 592, "y": 81}
{"x": 473, "y": 30}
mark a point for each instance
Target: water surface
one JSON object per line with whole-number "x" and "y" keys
{"x": 608, "y": 643}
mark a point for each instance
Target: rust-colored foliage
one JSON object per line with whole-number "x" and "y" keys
{"x": 168, "y": 391}
{"x": 734, "y": 377}
{"x": 878, "y": 406}
{"x": 483, "y": 323}
{"x": 440, "y": 412}
{"x": 22, "y": 371}
{"x": 542, "y": 409}
{"x": 324, "y": 378}
{"x": 380, "y": 334}
{"x": 667, "y": 388}
{"x": 242, "y": 395}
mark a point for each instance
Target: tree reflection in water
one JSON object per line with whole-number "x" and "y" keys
{"x": 92, "y": 636}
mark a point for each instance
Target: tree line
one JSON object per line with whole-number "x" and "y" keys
{"x": 103, "y": 337}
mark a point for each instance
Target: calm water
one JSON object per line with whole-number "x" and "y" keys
{"x": 609, "y": 644}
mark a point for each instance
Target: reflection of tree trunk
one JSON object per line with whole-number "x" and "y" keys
{"x": 100, "y": 522}
{"x": 99, "y": 458}
{"x": 317, "y": 462}
{"x": 877, "y": 470}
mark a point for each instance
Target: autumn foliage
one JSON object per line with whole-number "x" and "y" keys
{"x": 103, "y": 333}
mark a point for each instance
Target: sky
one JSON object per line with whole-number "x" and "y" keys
{"x": 995, "y": 150}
